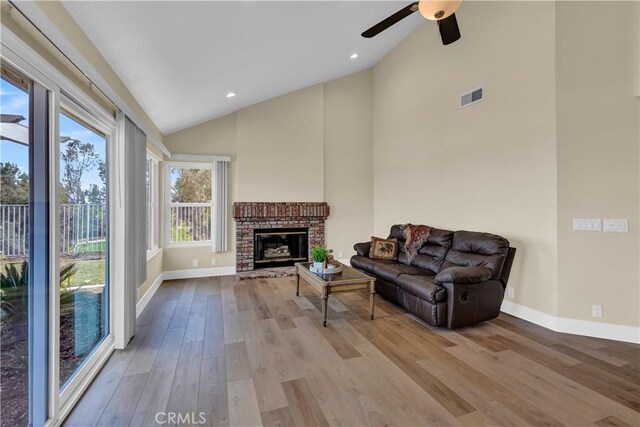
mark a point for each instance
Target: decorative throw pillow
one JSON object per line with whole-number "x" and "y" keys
{"x": 415, "y": 236}
{"x": 383, "y": 248}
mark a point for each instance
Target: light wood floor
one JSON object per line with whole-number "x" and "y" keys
{"x": 251, "y": 353}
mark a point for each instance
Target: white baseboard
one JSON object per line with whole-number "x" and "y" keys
{"x": 142, "y": 302}
{"x": 198, "y": 272}
{"x": 345, "y": 261}
{"x": 573, "y": 326}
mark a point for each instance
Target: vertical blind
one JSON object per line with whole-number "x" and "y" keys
{"x": 220, "y": 206}
{"x": 135, "y": 266}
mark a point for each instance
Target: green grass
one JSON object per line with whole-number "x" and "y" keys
{"x": 99, "y": 246}
{"x": 88, "y": 272}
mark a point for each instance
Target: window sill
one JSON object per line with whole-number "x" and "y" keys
{"x": 189, "y": 244}
{"x": 153, "y": 252}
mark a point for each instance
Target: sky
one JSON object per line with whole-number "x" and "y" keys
{"x": 13, "y": 100}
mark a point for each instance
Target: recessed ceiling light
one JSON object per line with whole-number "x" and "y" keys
{"x": 354, "y": 56}
{"x": 231, "y": 94}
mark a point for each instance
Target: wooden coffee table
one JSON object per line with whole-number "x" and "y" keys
{"x": 348, "y": 280}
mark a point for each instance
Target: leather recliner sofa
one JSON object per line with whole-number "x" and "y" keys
{"x": 457, "y": 279}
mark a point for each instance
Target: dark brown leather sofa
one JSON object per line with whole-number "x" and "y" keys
{"x": 457, "y": 279}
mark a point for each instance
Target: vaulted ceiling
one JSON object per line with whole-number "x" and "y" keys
{"x": 181, "y": 58}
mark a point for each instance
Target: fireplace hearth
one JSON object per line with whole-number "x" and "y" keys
{"x": 279, "y": 247}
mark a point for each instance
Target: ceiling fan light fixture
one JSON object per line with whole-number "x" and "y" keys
{"x": 436, "y": 10}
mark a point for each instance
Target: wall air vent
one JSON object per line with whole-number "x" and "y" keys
{"x": 472, "y": 97}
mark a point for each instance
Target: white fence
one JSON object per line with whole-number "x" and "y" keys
{"x": 82, "y": 229}
{"x": 14, "y": 229}
{"x": 190, "y": 222}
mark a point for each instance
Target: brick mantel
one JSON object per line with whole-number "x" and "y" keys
{"x": 245, "y": 211}
{"x": 252, "y": 215}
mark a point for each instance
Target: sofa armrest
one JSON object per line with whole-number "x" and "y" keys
{"x": 363, "y": 248}
{"x": 463, "y": 275}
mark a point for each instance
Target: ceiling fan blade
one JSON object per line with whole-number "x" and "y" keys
{"x": 449, "y": 30}
{"x": 393, "y": 19}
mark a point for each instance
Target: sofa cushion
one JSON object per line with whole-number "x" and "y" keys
{"x": 397, "y": 232}
{"x": 463, "y": 275}
{"x": 472, "y": 248}
{"x": 427, "y": 262}
{"x": 410, "y": 269}
{"x": 386, "y": 272}
{"x": 367, "y": 264}
{"x": 363, "y": 248}
{"x": 432, "y": 254}
{"x": 438, "y": 243}
{"x": 422, "y": 286}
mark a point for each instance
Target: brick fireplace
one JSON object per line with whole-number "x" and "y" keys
{"x": 251, "y": 216}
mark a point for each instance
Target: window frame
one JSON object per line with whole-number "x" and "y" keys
{"x": 167, "y": 204}
{"x": 153, "y": 205}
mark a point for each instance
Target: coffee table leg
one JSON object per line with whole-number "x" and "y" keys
{"x": 324, "y": 310}
{"x": 297, "y": 285}
{"x": 372, "y": 297}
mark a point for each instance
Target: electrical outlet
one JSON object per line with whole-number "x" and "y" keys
{"x": 340, "y": 254}
{"x": 511, "y": 293}
{"x": 596, "y": 311}
{"x": 195, "y": 262}
{"x": 213, "y": 261}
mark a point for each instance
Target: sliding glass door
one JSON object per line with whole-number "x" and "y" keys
{"x": 55, "y": 296}
{"x": 14, "y": 248}
{"x": 84, "y": 231}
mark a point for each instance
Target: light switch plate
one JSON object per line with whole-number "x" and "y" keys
{"x": 616, "y": 225}
{"x": 587, "y": 224}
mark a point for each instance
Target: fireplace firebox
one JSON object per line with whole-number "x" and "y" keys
{"x": 280, "y": 247}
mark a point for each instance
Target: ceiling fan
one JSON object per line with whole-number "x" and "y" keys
{"x": 441, "y": 11}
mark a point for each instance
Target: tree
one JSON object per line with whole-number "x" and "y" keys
{"x": 77, "y": 158}
{"x": 94, "y": 195}
{"x": 14, "y": 185}
{"x": 192, "y": 186}
{"x": 102, "y": 172}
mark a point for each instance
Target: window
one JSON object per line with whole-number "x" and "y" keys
{"x": 189, "y": 204}
{"x": 84, "y": 232}
{"x": 152, "y": 203}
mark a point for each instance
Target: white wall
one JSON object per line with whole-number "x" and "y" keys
{"x": 489, "y": 167}
{"x": 311, "y": 145}
{"x": 280, "y": 149}
{"x": 597, "y": 51}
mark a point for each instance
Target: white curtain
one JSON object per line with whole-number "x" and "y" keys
{"x": 220, "y": 206}
{"x": 135, "y": 219}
